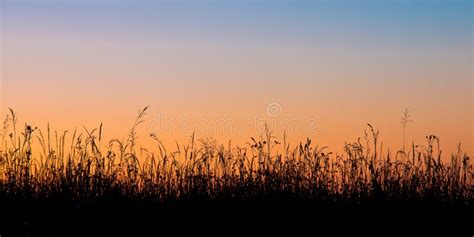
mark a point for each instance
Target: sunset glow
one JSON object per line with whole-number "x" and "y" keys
{"x": 339, "y": 64}
{"x": 231, "y": 117}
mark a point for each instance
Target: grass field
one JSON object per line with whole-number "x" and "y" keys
{"x": 93, "y": 172}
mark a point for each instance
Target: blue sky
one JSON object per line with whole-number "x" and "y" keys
{"x": 319, "y": 59}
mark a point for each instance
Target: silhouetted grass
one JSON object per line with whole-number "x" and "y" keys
{"x": 88, "y": 172}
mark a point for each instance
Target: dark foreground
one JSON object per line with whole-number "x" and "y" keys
{"x": 296, "y": 218}
{"x": 86, "y": 187}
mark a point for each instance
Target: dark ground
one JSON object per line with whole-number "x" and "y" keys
{"x": 240, "y": 218}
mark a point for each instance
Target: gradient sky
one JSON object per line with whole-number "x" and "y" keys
{"x": 339, "y": 63}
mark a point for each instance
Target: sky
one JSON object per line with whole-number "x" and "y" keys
{"x": 222, "y": 69}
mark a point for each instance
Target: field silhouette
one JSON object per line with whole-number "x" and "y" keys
{"x": 86, "y": 173}
{"x": 50, "y": 188}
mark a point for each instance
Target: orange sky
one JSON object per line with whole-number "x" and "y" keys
{"x": 198, "y": 67}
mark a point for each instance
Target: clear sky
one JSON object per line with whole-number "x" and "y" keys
{"x": 339, "y": 64}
